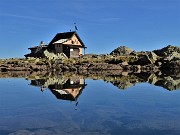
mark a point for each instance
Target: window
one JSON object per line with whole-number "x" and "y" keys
{"x": 58, "y": 45}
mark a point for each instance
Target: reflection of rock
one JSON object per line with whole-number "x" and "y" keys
{"x": 169, "y": 83}
{"x": 14, "y": 74}
{"x": 169, "y": 80}
{"x": 152, "y": 79}
{"x": 123, "y": 85}
{"x": 128, "y": 80}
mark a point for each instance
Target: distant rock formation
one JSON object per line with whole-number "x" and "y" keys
{"x": 168, "y": 50}
{"x": 122, "y": 50}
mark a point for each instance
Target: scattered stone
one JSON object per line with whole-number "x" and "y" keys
{"x": 125, "y": 73}
{"x": 124, "y": 63}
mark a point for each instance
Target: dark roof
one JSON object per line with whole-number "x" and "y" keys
{"x": 75, "y": 46}
{"x": 68, "y": 96}
{"x": 65, "y": 35}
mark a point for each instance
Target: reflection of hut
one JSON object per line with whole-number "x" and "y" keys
{"x": 68, "y": 91}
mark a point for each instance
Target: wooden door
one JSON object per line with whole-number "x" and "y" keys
{"x": 66, "y": 50}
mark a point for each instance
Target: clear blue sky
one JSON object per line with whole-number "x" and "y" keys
{"x": 103, "y": 24}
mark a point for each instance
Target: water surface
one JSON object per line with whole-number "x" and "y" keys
{"x": 85, "y": 105}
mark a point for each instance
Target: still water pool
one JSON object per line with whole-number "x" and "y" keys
{"x": 86, "y": 107}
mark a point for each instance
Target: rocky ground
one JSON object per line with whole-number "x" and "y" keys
{"x": 119, "y": 60}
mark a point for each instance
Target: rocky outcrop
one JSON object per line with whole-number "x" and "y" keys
{"x": 122, "y": 50}
{"x": 168, "y": 50}
{"x": 169, "y": 57}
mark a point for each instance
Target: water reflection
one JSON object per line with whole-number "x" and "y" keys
{"x": 58, "y": 81}
{"x": 122, "y": 81}
{"x": 70, "y": 86}
{"x": 63, "y": 88}
{"x": 103, "y": 109}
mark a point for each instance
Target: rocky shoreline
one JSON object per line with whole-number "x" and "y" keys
{"x": 119, "y": 60}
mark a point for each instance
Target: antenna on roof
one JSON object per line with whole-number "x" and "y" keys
{"x": 75, "y": 27}
{"x": 41, "y": 43}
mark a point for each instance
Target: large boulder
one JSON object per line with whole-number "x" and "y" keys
{"x": 170, "y": 58}
{"x": 122, "y": 50}
{"x": 145, "y": 58}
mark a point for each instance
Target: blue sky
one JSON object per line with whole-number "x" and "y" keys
{"x": 103, "y": 25}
